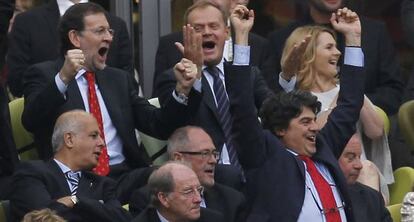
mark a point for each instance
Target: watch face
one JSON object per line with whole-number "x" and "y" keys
{"x": 74, "y": 199}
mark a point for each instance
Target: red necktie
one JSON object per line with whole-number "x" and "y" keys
{"x": 324, "y": 191}
{"x": 103, "y": 163}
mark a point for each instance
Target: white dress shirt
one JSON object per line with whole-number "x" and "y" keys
{"x": 66, "y": 169}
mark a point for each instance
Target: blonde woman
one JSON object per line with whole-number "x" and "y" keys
{"x": 310, "y": 59}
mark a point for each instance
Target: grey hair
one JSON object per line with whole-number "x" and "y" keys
{"x": 179, "y": 140}
{"x": 67, "y": 122}
{"x": 162, "y": 180}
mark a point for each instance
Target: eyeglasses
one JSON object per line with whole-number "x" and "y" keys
{"x": 101, "y": 31}
{"x": 191, "y": 192}
{"x": 204, "y": 154}
{"x": 325, "y": 211}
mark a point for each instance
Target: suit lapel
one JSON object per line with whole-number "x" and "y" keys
{"x": 62, "y": 182}
{"x": 208, "y": 97}
{"x": 74, "y": 96}
{"x": 105, "y": 85}
{"x": 86, "y": 184}
{"x": 212, "y": 198}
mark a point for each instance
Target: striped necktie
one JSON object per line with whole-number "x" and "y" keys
{"x": 225, "y": 118}
{"x": 73, "y": 179}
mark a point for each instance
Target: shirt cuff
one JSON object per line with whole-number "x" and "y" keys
{"x": 62, "y": 87}
{"x": 197, "y": 85}
{"x": 288, "y": 86}
{"x": 354, "y": 56}
{"x": 180, "y": 98}
{"x": 241, "y": 55}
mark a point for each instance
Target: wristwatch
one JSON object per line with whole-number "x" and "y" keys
{"x": 74, "y": 199}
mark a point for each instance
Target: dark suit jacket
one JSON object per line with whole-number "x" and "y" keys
{"x": 168, "y": 55}
{"x": 34, "y": 38}
{"x": 275, "y": 177}
{"x": 207, "y": 114}
{"x": 368, "y": 204}
{"x": 150, "y": 215}
{"x": 223, "y": 200}
{"x": 8, "y": 152}
{"x": 44, "y": 103}
{"x": 383, "y": 84}
{"x": 38, "y": 185}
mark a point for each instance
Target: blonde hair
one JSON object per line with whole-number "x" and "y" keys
{"x": 306, "y": 76}
{"x": 44, "y": 215}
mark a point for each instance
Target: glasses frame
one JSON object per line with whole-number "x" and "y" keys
{"x": 204, "y": 154}
{"x": 101, "y": 31}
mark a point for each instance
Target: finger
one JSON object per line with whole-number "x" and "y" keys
{"x": 180, "y": 47}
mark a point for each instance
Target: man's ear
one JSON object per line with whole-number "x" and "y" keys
{"x": 74, "y": 38}
{"x": 163, "y": 198}
{"x": 68, "y": 139}
{"x": 177, "y": 156}
{"x": 279, "y": 132}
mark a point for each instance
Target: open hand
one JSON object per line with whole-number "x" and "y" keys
{"x": 192, "y": 48}
{"x": 291, "y": 65}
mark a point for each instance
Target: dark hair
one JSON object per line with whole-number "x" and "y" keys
{"x": 277, "y": 111}
{"x": 73, "y": 19}
{"x": 204, "y": 4}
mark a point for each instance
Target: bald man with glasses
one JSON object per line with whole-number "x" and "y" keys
{"x": 193, "y": 146}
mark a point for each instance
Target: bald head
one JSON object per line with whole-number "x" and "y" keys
{"x": 76, "y": 140}
{"x": 67, "y": 122}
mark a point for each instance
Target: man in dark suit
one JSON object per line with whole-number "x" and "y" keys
{"x": 35, "y": 38}
{"x": 175, "y": 196}
{"x": 8, "y": 153}
{"x": 367, "y": 202}
{"x": 68, "y": 83}
{"x": 291, "y": 167}
{"x": 208, "y": 19}
{"x": 383, "y": 84}
{"x": 65, "y": 183}
{"x": 168, "y": 55}
{"x": 193, "y": 146}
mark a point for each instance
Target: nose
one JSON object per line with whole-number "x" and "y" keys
{"x": 108, "y": 36}
{"x": 357, "y": 164}
{"x": 197, "y": 198}
{"x": 337, "y": 52}
{"x": 314, "y": 126}
{"x": 100, "y": 142}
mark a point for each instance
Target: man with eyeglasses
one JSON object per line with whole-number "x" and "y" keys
{"x": 193, "y": 146}
{"x": 175, "y": 194}
{"x": 80, "y": 79}
{"x": 35, "y": 38}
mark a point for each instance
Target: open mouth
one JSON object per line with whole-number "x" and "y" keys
{"x": 333, "y": 62}
{"x": 102, "y": 51}
{"x": 97, "y": 154}
{"x": 311, "y": 138}
{"x": 209, "y": 45}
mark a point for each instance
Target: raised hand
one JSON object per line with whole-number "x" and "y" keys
{"x": 74, "y": 60}
{"x": 242, "y": 20}
{"x": 186, "y": 73}
{"x": 347, "y": 22}
{"x": 192, "y": 48}
{"x": 290, "y": 66}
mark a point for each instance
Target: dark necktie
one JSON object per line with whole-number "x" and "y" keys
{"x": 103, "y": 163}
{"x": 225, "y": 119}
{"x": 73, "y": 179}
{"x": 330, "y": 210}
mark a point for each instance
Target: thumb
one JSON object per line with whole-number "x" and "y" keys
{"x": 333, "y": 20}
{"x": 180, "y": 47}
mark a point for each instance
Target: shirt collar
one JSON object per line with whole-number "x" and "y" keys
{"x": 220, "y": 66}
{"x": 64, "y": 168}
{"x": 162, "y": 219}
{"x": 65, "y": 4}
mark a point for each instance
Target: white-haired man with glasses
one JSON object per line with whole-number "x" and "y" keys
{"x": 175, "y": 194}
{"x": 193, "y": 146}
